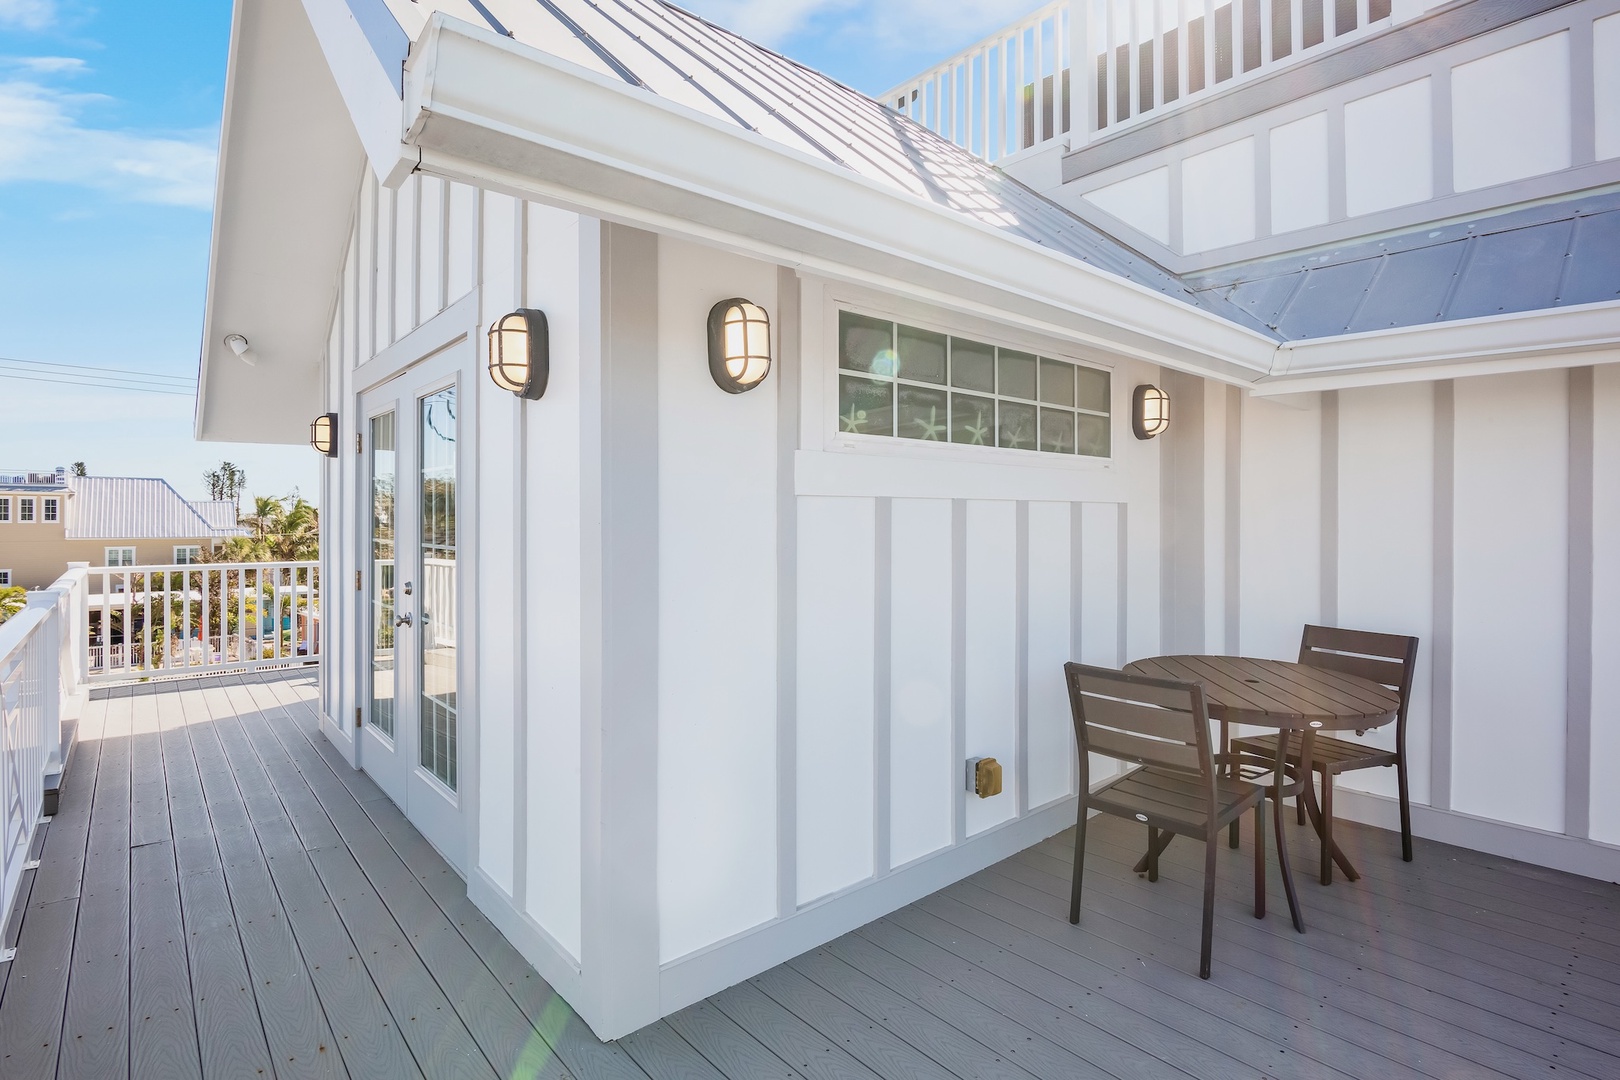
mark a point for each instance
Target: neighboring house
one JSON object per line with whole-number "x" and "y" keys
{"x": 684, "y": 681}
{"x": 48, "y": 520}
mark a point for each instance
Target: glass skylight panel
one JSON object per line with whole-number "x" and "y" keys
{"x": 907, "y": 382}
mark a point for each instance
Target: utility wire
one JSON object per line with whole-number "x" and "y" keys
{"x": 124, "y": 372}
{"x": 93, "y": 385}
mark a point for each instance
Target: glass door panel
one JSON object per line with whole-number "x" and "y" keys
{"x": 384, "y": 473}
{"x": 436, "y": 439}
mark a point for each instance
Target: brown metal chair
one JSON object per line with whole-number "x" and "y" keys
{"x": 1387, "y": 659}
{"x": 1162, "y": 726}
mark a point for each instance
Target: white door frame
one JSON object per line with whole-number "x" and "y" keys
{"x": 443, "y": 816}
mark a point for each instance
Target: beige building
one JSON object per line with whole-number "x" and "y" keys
{"x": 48, "y": 520}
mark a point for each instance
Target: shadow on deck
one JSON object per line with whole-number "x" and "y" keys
{"x": 220, "y": 896}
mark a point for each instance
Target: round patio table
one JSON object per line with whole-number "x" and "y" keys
{"x": 1291, "y": 699}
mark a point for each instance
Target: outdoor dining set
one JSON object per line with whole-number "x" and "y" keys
{"x": 1156, "y": 714}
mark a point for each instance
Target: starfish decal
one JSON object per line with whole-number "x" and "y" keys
{"x": 854, "y": 420}
{"x": 977, "y": 430}
{"x": 1059, "y": 443}
{"x": 931, "y": 428}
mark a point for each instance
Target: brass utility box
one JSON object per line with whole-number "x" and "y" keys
{"x": 984, "y": 777}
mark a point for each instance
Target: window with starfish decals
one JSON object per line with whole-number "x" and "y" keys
{"x": 909, "y": 383}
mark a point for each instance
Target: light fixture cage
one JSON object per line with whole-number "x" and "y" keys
{"x": 1150, "y": 412}
{"x": 323, "y": 434}
{"x": 739, "y": 345}
{"x": 520, "y": 353}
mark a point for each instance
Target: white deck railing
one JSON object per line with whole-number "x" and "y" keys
{"x": 1014, "y": 92}
{"x": 42, "y": 671}
{"x": 146, "y": 621}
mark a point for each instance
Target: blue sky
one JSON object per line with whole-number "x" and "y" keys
{"x": 109, "y": 118}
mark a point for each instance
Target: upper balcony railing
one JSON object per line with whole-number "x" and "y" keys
{"x": 1014, "y": 92}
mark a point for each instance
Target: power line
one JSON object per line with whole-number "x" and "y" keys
{"x": 93, "y": 385}
{"x": 125, "y": 372}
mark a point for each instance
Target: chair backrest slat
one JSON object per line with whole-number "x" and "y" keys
{"x": 1388, "y": 659}
{"x": 1384, "y": 672}
{"x": 1144, "y": 721}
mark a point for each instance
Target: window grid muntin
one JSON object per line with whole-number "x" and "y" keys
{"x": 187, "y": 554}
{"x": 952, "y": 388}
{"x": 120, "y": 556}
{"x": 5, "y": 509}
{"x": 52, "y": 511}
{"x": 25, "y": 511}
{"x": 5, "y": 579}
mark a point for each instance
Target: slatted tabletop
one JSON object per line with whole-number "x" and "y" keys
{"x": 1277, "y": 693}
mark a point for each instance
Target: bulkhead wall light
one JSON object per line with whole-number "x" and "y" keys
{"x": 520, "y": 353}
{"x": 323, "y": 434}
{"x": 1150, "y": 412}
{"x": 739, "y": 345}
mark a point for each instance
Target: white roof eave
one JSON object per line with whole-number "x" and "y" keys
{"x": 485, "y": 109}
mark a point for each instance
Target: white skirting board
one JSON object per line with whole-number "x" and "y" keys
{"x": 1571, "y": 854}
{"x": 693, "y": 978}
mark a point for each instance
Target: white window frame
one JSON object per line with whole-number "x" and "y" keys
{"x": 831, "y": 438}
{"x": 5, "y": 509}
{"x": 192, "y": 554}
{"x": 5, "y": 578}
{"x": 108, "y": 553}
{"x": 50, "y": 510}
{"x": 27, "y": 510}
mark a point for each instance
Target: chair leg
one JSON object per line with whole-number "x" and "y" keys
{"x": 1153, "y": 854}
{"x": 1079, "y": 866}
{"x": 1327, "y": 828}
{"x": 1260, "y": 859}
{"x": 1232, "y": 836}
{"x": 1210, "y": 847}
{"x": 1299, "y": 807}
{"x": 1406, "y": 809}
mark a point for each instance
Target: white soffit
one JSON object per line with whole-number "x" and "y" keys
{"x": 289, "y": 164}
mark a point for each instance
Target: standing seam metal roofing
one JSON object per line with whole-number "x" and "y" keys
{"x": 684, "y": 58}
{"x": 134, "y": 508}
{"x": 1549, "y": 256}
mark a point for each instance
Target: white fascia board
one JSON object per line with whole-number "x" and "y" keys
{"x": 289, "y": 164}
{"x": 1495, "y": 344}
{"x": 374, "y": 104}
{"x": 489, "y": 110}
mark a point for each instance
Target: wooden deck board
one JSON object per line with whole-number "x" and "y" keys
{"x": 221, "y": 896}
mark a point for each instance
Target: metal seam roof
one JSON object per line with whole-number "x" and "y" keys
{"x": 135, "y": 508}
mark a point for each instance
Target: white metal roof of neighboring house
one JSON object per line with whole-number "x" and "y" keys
{"x": 134, "y": 508}
{"x": 222, "y": 514}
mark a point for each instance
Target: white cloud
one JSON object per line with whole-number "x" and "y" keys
{"x": 914, "y": 23}
{"x": 28, "y": 14}
{"x": 46, "y": 65}
{"x": 42, "y": 138}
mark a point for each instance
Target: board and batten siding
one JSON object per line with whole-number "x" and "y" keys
{"x": 430, "y": 264}
{"x": 1481, "y": 515}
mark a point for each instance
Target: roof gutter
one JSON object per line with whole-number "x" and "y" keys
{"x": 483, "y": 109}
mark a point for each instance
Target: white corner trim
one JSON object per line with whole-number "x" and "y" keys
{"x": 543, "y": 952}
{"x": 1573, "y": 855}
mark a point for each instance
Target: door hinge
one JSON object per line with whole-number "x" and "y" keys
{"x": 357, "y": 585}
{"x": 357, "y": 716}
{"x": 359, "y": 443}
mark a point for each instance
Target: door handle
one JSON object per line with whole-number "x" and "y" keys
{"x": 403, "y": 620}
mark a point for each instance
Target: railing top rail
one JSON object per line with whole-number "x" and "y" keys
{"x": 1038, "y": 16}
{"x": 17, "y": 630}
{"x": 177, "y": 568}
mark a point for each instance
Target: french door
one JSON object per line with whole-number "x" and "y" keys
{"x": 411, "y": 732}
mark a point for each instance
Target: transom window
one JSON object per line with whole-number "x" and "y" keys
{"x": 25, "y": 509}
{"x": 120, "y": 556}
{"x": 908, "y": 383}
{"x": 186, "y": 555}
{"x": 53, "y": 510}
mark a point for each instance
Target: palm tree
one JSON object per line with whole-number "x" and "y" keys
{"x": 281, "y": 530}
{"x": 13, "y": 598}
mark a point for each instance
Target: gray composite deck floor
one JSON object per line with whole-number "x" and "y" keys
{"x": 220, "y": 896}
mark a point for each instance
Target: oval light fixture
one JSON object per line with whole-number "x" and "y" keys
{"x": 739, "y": 345}
{"x": 520, "y": 353}
{"x": 323, "y": 434}
{"x": 1150, "y": 412}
